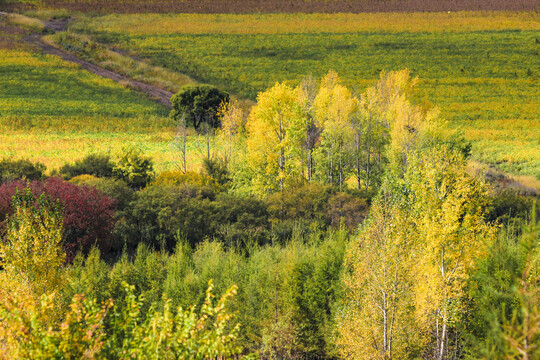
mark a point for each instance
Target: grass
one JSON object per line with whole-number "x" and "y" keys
{"x": 24, "y": 22}
{"x": 167, "y": 24}
{"x": 54, "y": 112}
{"x": 43, "y": 85}
{"x": 481, "y": 69}
{"x": 56, "y": 148}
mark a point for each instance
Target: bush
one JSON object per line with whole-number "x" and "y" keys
{"x": 20, "y": 169}
{"x": 199, "y": 104}
{"x": 88, "y": 214}
{"x": 217, "y": 169}
{"x": 96, "y": 165}
{"x": 190, "y": 177}
{"x": 306, "y": 202}
{"x": 113, "y": 188}
{"x": 508, "y": 206}
{"x": 346, "y": 209}
{"x": 134, "y": 168}
{"x": 161, "y": 214}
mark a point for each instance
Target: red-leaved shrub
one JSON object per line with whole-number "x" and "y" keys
{"x": 88, "y": 213}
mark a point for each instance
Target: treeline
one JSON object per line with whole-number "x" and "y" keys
{"x": 272, "y": 224}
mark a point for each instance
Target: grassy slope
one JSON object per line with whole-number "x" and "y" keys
{"x": 481, "y": 69}
{"x": 52, "y": 111}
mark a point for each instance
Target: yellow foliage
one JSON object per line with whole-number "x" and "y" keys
{"x": 32, "y": 255}
{"x": 274, "y": 128}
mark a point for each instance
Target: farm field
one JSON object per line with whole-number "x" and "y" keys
{"x": 481, "y": 69}
{"x": 274, "y": 6}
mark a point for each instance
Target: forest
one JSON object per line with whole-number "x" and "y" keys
{"x": 271, "y": 208}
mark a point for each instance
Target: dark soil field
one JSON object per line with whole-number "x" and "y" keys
{"x": 285, "y": 6}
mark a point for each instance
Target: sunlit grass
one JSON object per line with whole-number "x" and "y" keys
{"x": 55, "y": 149}
{"x": 513, "y": 145}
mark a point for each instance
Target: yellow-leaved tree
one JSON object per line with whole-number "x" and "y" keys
{"x": 377, "y": 320}
{"x": 275, "y": 130}
{"x": 31, "y": 253}
{"x": 448, "y": 212}
{"x": 334, "y": 107}
{"x": 232, "y": 124}
{"x": 34, "y": 324}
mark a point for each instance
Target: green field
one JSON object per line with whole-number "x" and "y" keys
{"x": 53, "y": 111}
{"x": 481, "y": 69}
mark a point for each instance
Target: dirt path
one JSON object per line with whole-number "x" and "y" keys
{"x": 158, "y": 94}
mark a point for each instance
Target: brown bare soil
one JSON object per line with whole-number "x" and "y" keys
{"x": 287, "y": 6}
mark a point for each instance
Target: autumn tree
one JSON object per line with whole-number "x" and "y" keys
{"x": 33, "y": 326}
{"x": 311, "y": 138}
{"x": 334, "y": 106}
{"x": 377, "y": 320}
{"x": 31, "y": 253}
{"x": 233, "y": 122}
{"x": 275, "y": 128}
{"x": 448, "y": 212}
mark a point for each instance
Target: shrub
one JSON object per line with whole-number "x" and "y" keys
{"x": 113, "y": 188}
{"x": 161, "y": 214}
{"x": 88, "y": 213}
{"x": 96, "y": 165}
{"x": 217, "y": 169}
{"x": 346, "y": 209}
{"x": 31, "y": 252}
{"x": 20, "y": 169}
{"x": 190, "y": 177}
{"x": 199, "y": 104}
{"x": 134, "y": 168}
{"x": 306, "y": 202}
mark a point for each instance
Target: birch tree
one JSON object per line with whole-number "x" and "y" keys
{"x": 448, "y": 216}
{"x": 275, "y": 128}
{"x": 334, "y": 107}
{"x": 377, "y": 320}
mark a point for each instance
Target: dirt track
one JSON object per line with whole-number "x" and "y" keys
{"x": 154, "y": 92}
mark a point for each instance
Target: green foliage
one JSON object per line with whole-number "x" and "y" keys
{"x": 307, "y": 202}
{"x": 505, "y": 293}
{"x": 134, "y": 168}
{"x": 217, "y": 169}
{"x": 160, "y": 214}
{"x": 178, "y": 178}
{"x": 30, "y": 330}
{"x": 93, "y": 164}
{"x": 114, "y": 188}
{"x": 20, "y": 169}
{"x": 199, "y": 104}
{"x": 508, "y": 206}
{"x": 282, "y": 289}
{"x": 179, "y": 334}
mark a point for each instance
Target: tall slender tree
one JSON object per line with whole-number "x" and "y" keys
{"x": 275, "y": 129}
